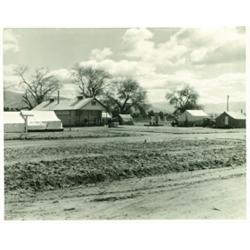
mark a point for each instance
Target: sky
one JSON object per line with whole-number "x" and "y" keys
{"x": 211, "y": 60}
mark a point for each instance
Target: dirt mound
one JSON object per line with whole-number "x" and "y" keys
{"x": 120, "y": 162}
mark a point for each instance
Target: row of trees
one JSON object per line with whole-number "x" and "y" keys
{"x": 120, "y": 94}
{"x": 10, "y": 109}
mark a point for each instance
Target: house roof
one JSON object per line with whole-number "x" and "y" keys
{"x": 236, "y": 115}
{"x": 126, "y": 117}
{"x": 44, "y": 116}
{"x": 12, "y": 118}
{"x": 197, "y": 113}
{"x": 68, "y": 104}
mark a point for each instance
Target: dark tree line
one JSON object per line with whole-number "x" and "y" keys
{"x": 11, "y": 109}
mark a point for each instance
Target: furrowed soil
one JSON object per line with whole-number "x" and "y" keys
{"x": 159, "y": 174}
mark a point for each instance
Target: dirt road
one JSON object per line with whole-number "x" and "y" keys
{"x": 156, "y": 134}
{"x": 203, "y": 194}
{"x": 64, "y": 165}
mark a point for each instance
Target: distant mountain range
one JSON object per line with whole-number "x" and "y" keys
{"x": 14, "y": 100}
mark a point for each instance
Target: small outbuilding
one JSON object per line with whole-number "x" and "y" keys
{"x": 229, "y": 119}
{"x": 192, "y": 118}
{"x": 75, "y": 112}
{"x": 13, "y": 122}
{"x": 42, "y": 120}
{"x": 125, "y": 119}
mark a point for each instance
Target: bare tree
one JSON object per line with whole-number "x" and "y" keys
{"x": 37, "y": 86}
{"x": 91, "y": 81}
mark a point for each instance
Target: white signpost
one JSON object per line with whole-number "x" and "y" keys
{"x": 26, "y": 116}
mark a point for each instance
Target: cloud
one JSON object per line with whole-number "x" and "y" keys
{"x": 10, "y": 79}
{"x": 63, "y": 75}
{"x": 159, "y": 66}
{"x": 201, "y": 52}
{"x": 121, "y": 67}
{"x": 69, "y": 90}
{"x": 10, "y": 41}
{"x": 67, "y": 87}
{"x": 170, "y": 54}
{"x": 211, "y": 60}
{"x": 187, "y": 46}
{"x": 213, "y": 89}
{"x": 137, "y": 43}
{"x": 229, "y": 53}
{"x": 213, "y": 46}
{"x": 100, "y": 54}
{"x": 9, "y": 69}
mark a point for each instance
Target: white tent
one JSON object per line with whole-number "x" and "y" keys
{"x": 126, "y": 119}
{"x": 42, "y": 120}
{"x": 192, "y": 117}
{"x": 13, "y": 122}
{"x": 106, "y": 115}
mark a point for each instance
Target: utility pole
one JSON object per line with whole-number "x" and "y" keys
{"x": 227, "y": 103}
{"x": 58, "y": 97}
{"x": 26, "y": 116}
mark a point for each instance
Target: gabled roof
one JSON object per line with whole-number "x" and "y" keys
{"x": 72, "y": 104}
{"x": 126, "y": 117}
{"x": 236, "y": 115}
{"x": 44, "y": 116}
{"x": 197, "y": 113}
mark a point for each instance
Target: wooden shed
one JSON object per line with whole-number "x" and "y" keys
{"x": 231, "y": 120}
{"x": 75, "y": 112}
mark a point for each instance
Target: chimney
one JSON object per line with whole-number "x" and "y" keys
{"x": 228, "y": 103}
{"x": 58, "y": 96}
{"x": 79, "y": 97}
{"x": 51, "y": 99}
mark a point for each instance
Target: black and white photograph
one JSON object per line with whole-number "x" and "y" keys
{"x": 124, "y": 123}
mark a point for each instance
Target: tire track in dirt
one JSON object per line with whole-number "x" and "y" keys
{"x": 152, "y": 197}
